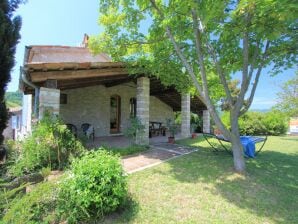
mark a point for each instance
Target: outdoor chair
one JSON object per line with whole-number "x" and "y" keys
{"x": 248, "y": 143}
{"x": 88, "y": 130}
{"x": 73, "y": 129}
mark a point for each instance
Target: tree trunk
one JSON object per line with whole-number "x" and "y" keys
{"x": 237, "y": 148}
{"x": 239, "y": 163}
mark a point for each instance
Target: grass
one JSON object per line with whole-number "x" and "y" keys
{"x": 202, "y": 188}
{"x": 130, "y": 150}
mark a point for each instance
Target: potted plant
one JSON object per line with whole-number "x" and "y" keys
{"x": 172, "y": 127}
{"x": 193, "y": 128}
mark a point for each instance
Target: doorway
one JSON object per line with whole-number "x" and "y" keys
{"x": 115, "y": 114}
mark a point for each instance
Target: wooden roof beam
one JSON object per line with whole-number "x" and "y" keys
{"x": 70, "y": 74}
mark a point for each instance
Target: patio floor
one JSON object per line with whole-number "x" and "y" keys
{"x": 160, "y": 151}
{"x": 158, "y": 154}
{"x": 120, "y": 141}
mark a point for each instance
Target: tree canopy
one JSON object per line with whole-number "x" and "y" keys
{"x": 288, "y": 97}
{"x": 202, "y": 45}
{"x": 9, "y": 36}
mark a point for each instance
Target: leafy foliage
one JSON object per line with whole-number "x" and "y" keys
{"x": 50, "y": 145}
{"x": 135, "y": 127}
{"x": 96, "y": 186}
{"x": 37, "y": 206}
{"x": 257, "y": 123}
{"x": 124, "y": 151}
{"x": 172, "y": 127}
{"x": 196, "y": 121}
{"x": 13, "y": 99}
{"x": 9, "y": 36}
{"x": 288, "y": 98}
{"x": 211, "y": 41}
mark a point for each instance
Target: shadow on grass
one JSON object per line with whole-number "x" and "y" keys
{"x": 125, "y": 213}
{"x": 268, "y": 189}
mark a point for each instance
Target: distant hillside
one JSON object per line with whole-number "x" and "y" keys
{"x": 261, "y": 110}
{"x": 13, "y": 99}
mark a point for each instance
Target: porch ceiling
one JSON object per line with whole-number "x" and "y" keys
{"x": 172, "y": 97}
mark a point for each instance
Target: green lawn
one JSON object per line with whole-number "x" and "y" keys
{"x": 202, "y": 188}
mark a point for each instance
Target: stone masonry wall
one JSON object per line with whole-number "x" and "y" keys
{"x": 49, "y": 100}
{"x": 92, "y": 105}
{"x": 159, "y": 111}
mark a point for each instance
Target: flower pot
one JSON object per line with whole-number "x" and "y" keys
{"x": 194, "y": 135}
{"x": 171, "y": 140}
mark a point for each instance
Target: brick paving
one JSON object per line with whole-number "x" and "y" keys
{"x": 157, "y": 154}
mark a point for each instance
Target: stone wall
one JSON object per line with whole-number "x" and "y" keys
{"x": 49, "y": 100}
{"x": 92, "y": 105}
{"x": 159, "y": 111}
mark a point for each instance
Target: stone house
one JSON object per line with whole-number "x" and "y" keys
{"x": 83, "y": 88}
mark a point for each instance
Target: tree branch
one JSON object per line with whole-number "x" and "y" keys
{"x": 253, "y": 90}
{"x": 203, "y": 91}
{"x": 213, "y": 55}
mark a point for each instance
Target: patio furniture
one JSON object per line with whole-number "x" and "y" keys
{"x": 155, "y": 128}
{"x": 88, "y": 130}
{"x": 73, "y": 129}
{"x": 248, "y": 143}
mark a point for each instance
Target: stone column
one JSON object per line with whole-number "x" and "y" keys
{"x": 206, "y": 121}
{"x": 143, "y": 100}
{"x": 185, "y": 115}
{"x": 49, "y": 100}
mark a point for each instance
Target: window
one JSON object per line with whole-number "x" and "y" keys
{"x": 133, "y": 107}
{"x": 63, "y": 98}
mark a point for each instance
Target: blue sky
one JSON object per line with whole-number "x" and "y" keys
{"x": 64, "y": 22}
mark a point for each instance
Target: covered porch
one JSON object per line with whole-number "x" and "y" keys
{"x": 82, "y": 88}
{"x": 121, "y": 141}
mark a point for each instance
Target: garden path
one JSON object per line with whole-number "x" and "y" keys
{"x": 158, "y": 153}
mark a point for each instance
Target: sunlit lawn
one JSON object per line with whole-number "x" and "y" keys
{"x": 202, "y": 188}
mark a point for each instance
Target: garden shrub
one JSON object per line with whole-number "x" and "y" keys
{"x": 251, "y": 123}
{"x": 275, "y": 123}
{"x": 135, "y": 127}
{"x": 50, "y": 145}
{"x": 37, "y": 206}
{"x": 257, "y": 123}
{"x": 95, "y": 186}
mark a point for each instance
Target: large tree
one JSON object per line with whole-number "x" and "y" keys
{"x": 202, "y": 44}
{"x": 9, "y": 35}
{"x": 288, "y": 97}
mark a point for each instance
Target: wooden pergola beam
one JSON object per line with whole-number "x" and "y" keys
{"x": 76, "y": 74}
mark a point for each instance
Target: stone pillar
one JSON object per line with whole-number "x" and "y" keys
{"x": 143, "y": 100}
{"x": 185, "y": 115}
{"x": 206, "y": 121}
{"x": 49, "y": 100}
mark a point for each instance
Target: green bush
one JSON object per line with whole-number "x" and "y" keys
{"x": 135, "y": 127}
{"x": 251, "y": 123}
{"x": 257, "y": 123}
{"x": 37, "y": 206}
{"x": 96, "y": 186}
{"x": 275, "y": 123}
{"x": 50, "y": 145}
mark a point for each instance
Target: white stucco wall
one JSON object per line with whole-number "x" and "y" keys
{"x": 92, "y": 105}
